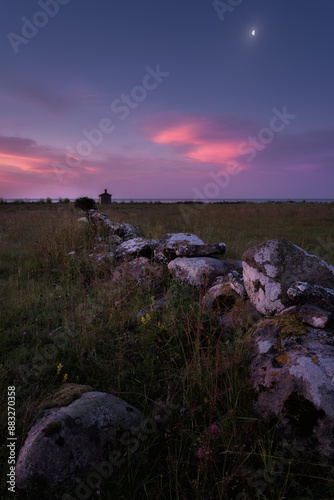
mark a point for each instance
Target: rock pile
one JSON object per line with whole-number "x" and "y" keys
{"x": 285, "y": 293}
{"x": 293, "y": 349}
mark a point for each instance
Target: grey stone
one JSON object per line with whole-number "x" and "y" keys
{"x": 174, "y": 245}
{"x": 65, "y": 442}
{"x": 312, "y": 315}
{"x": 269, "y": 269}
{"x": 102, "y": 256}
{"x": 222, "y": 291}
{"x": 114, "y": 240}
{"x": 138, "y": 269}
{"x": 82, "y": 220}
{"x": 200, "y": 271}
{"x": 136, "y": 247}
{"x": 236, "y": 281}
{"x": 225, "y": 305}
{"x": 123, "y": 230}
{"x": 319, "y": 296}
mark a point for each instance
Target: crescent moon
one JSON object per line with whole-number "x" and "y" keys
{"x": 253, "y": 32}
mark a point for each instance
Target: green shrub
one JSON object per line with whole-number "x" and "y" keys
{"x": 85, "y": 203}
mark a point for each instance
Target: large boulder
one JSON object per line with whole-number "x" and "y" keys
{"x": 136, "y": 247}
{"x": 174, "y": 245}
{"x": 292, "y": 374}
{"x": 67, "y": 441}
{"x": 201, "y": 271}
{"x": 271, "y": 268}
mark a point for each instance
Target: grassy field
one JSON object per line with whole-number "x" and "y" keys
{"x": 62, "y": 320}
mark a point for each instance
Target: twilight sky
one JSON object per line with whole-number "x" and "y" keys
{"x": 167, "y": 98}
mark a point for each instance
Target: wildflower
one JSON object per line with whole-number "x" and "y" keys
{"x": 182, "y": 411}
{"x": 59, "y": 367}
{"x": 24, "y": 333}
{"x": 117, "y": 302}
{"x": 65, "y": 378}
{"x": 145, "y": 319}
{"x": 201, "y": 453}
{"x": 214, "y": 430}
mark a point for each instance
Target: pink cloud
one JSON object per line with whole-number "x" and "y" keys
{"x": 220, "y": 140}
{"x": 183, "y": 152}
{"x": 205, "y": 139}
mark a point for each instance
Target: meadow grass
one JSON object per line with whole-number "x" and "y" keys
{"x": 62, "y": 320}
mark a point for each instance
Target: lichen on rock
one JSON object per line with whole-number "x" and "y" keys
{"x": 64, "y": 396}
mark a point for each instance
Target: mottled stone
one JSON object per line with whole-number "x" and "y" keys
{"x": 294, "y": 374}
{"x": 236, "y": 281}
{"x": 139, "y": 269}
{"x": 102, "y": 256}
{"x": 200, "y": 271}
{"x": 312, "y": 315}
{"x": 123, "y": 230}
{"x": 174, "y": 245}
{"x": 316, "y": 295}
{"x": 82, "y": 220}
{"x": 269, "y": 269}
{"x": 136, "y": 247}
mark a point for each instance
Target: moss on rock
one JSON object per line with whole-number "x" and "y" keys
{"x": 64, "y": 396}
{"x": 289, "y": 326}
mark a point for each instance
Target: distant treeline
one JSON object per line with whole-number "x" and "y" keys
{"x": 41, "y": 200}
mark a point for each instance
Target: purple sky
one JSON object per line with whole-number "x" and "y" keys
{"x": 167, "y": 99}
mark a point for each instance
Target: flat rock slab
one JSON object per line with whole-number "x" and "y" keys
{"x": 65, "y": 441}
{"x": 271, "y": 268}
{"x": 201, "y": 271}
{"x": 174, "y": 245}
{"x": 294, "y": 380}
{"x": 312, "y": 294}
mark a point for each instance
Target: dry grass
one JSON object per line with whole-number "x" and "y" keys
{"x": 61, "y": 315}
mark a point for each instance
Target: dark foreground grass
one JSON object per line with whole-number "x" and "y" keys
{"x": 63, "y": 321}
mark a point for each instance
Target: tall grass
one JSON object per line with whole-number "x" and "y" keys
{"x": 61, "y": 309}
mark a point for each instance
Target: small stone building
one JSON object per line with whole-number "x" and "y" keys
{"x": 105, "y": 198}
